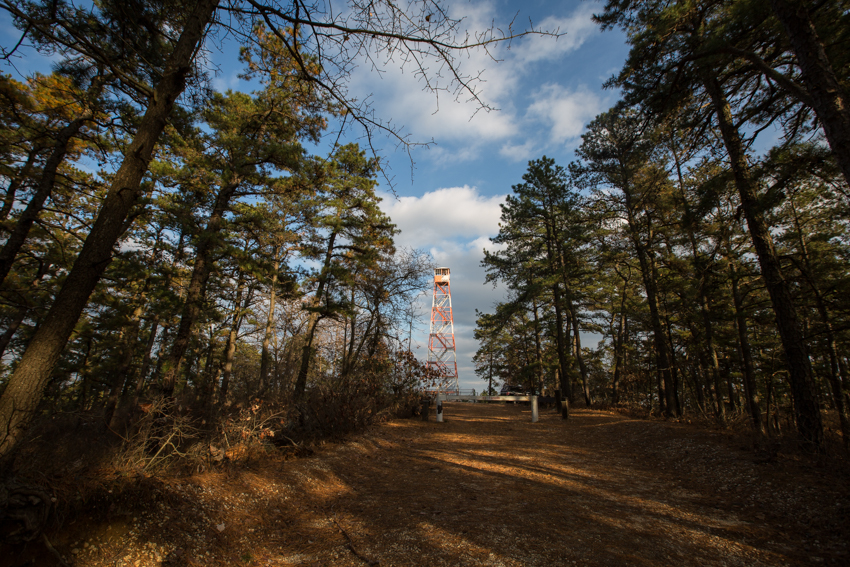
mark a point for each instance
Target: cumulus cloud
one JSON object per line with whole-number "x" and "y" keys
{"x": 567, "y": 110}
{"x": 443, "y": 217}
{"x": 519, "y": 152}
{"x": 433, "y": 110}
{"x": 455, "y": 225}
{"x": 575, "y": 30}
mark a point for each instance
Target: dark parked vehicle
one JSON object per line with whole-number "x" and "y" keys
{"x": 511, "y": 390}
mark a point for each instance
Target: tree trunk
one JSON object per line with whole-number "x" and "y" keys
{"x": 230, "y": 346}
{"x": 14, "y": 184}
{"x": 307, "y": 350}
{"x": 560, "y": 341}
{"x": 674, "y": 372}
{"x": 265, "y": 359}
{"x": 538, "y": 353}
{"x": 197, "y": 287}
{"x": 828, "y": 99}
{"x": 82, "y": 376}
{"x": 585, "y": 385}
{"x": 618, "y": 347}
{"x": 834, "y": 376}
{"x": 21, "y": 313}
{"x": 647, "y": 270}
{"x": 701, "y": 269}
{"x": 808, "y": 417}
{"x": 563, "y": 375}
{"x": 126, "y": 350}
{"x": 745, "y": 352}
{"x": 306, "y": 355}
{"x": 142, "y": 372}
{"x": 18, "y": 234}
{"x": 25, "y": 388}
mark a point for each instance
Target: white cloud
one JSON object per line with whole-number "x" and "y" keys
{"x": 576, "y": 28}
{"x": 427, "y": 111}
{"x": 519, "y": 152}
{"x": 440, "y": 218}
{"x": 565, "y": 109}
{"x": 223, "y": 82}
{"x": 455, "y": 225}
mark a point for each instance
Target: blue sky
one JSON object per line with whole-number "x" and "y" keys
{"x": 447, "y": 200}
{"x": 546, "y": 90}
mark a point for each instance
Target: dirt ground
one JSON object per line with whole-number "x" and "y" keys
{"x": 486, "y": 487}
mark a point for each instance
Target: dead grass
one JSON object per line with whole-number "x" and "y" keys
{"x": 486, "y": 487}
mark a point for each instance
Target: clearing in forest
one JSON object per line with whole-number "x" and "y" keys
{"x": 486, "y": 487}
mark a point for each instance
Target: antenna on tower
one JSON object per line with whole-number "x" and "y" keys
{"x": 442, "y": 356}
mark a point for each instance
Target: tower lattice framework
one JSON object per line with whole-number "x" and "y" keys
{"x": 442, "y": 356}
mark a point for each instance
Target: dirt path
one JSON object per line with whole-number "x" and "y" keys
{"x": 488, "y": 487}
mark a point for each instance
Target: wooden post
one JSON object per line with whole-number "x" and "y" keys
{"x": 533, "y": 409}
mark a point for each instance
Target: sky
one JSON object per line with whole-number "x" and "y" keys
{"x": 545, "y": 90}
{"x": 445, "y": 197}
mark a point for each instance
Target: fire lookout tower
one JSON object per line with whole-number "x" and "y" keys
{"x": 442, "y": 356}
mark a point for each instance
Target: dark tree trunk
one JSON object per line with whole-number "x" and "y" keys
{"x": 538, "y": 352}
{"x": 648, "y": 271}
{"x": 21, "y": 313}
{"x": 142, "y": 373}
{"x": 197, "y": 287}
{"x": 15, "y": 184}
{"x": 745, "y": 352}
{"x": 674, "y": 371}
{"x": 82, "y": 376}
{"x": 560, "y": 340}
{"x": 585, "y": 385}
{"x": 306, "y": 356}
{"x": 230, "y": 346}
{"x": 563, "y": 375}
{"x": 834, "y": 376}
{"x": 618, "y": 347}
{"x": 828, "y": 99}
{"x": 307, "y": 350}
{"x": 265, "y": 358}
{"x": 126, "y": 350}
{"x": 807, "y": 414}
{"x": 25, "y": 388}
{"x": 18, "y": 234}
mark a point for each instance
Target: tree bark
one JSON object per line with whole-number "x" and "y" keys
{"x": 538, "y": 353}
{"x": 18, "y": 234}
{"x": 560, "y": 341}
{"x": 265, "y": 359}
{"x": 197, "y": 287}
{"x": 25, "y": 388}
{"x": 307, "y": 350}
{"x": 834, "y": 376}
{"x": 585, "y": 385}
{"x": 647, "y": 270}
{"x": 230, "y": 346}
{"x": 745, "y": 352}
{"x": 809, "y": 424}
{"x": 14, "y": 184}
{"x": 139, "y": 376}
{"x": 126, "y": 351}
{"x": 828, "y": 99}
{"x": 21, "y": 313}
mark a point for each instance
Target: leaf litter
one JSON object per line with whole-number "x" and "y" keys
{"x": 485, "y": 488}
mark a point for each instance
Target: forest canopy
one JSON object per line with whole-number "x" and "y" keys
{"x": 165, "y": 243}
{"x": 716, "y": 275}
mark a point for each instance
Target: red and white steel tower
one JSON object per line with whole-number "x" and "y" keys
{"x": 442, "y": 356}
